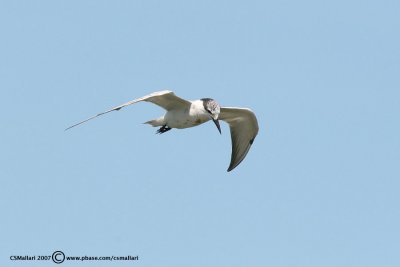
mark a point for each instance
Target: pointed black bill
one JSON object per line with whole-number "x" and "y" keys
{"x": 218, "y": 126}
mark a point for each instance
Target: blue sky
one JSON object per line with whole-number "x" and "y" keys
{"x": 320, "y": 186}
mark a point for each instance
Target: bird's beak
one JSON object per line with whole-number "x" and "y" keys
{"x": 216, "y": 121}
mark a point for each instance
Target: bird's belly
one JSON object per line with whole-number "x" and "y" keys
{"x": 182, "y": 121}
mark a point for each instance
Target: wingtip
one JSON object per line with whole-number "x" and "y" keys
{"x": 66, "y": 129}
{"x": 230, "y": 168}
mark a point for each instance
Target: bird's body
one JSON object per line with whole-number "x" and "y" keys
{"x": 183, "y": 114}
{"x": 182, "y": 118}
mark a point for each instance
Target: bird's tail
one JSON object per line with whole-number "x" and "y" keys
{"x": 156, "y": 122}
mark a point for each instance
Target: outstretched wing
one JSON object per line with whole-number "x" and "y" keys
{"x": 165, "y": 99}
{"x": 244, "y": 128}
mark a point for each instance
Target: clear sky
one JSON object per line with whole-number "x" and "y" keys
{"x": 320, "y": 186}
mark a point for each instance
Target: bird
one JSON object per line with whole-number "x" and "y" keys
{"x": 182, "y": 113}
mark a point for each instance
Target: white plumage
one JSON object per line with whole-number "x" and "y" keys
{"x": 182, "y": 114}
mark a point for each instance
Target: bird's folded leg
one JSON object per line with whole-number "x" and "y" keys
{"x": 163, "y": 129}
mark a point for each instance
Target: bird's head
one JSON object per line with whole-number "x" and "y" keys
{"x": 212, "y": 109}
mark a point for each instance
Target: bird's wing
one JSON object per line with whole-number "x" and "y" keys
{"x": 244, "y": 128}
{"x": 165, "y": 99}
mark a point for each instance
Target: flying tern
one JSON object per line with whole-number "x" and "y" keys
{"x": 183, "y": 113}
